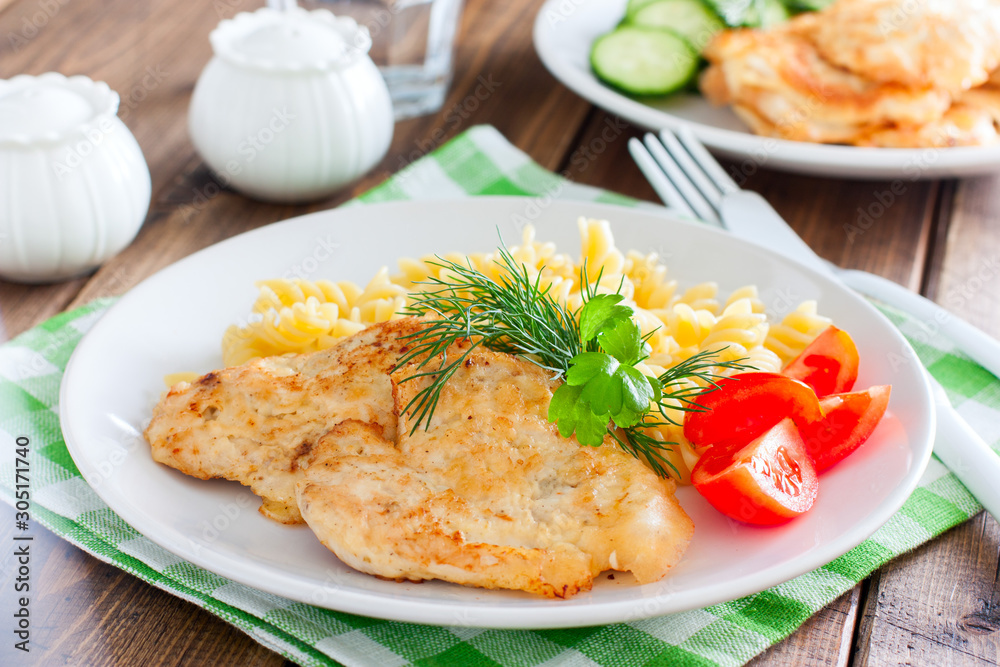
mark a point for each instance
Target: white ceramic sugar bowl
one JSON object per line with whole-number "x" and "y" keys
{"x": 74, "y": 187}
{"x": 290, "y": 107}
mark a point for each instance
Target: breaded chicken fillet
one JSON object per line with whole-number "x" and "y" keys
{"x": 258, "y": 423}
{"x": 781, "y": 86}
{"x": 889, "y": 73}
{"x": 973, "y": 120}
{"x": 950, "y": 45}
{"x": 490, "y": 495}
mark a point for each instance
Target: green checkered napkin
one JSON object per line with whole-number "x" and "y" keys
{"x": 480, "y": 161}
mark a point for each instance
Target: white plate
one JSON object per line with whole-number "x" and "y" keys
{"x": 174, "y": 321}
{"x": 564, "y": 31}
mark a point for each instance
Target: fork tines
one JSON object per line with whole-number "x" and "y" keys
{"x": 683, "y": 173}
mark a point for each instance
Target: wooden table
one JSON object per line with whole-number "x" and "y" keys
{"x": 939, "y": 605}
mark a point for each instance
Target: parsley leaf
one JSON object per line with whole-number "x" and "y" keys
{"x": 586, "y": 366}
{"x": 601, "y": 311}
{"x": 623, "y": 341}
{"x": 604, "y": 394}
{"x": 590, "y": 428}
{"x": 562, "y": 408}
{"x": 604, "y": 385}
{"x": 574, "y": 414}
{"x": 636, "y": 395}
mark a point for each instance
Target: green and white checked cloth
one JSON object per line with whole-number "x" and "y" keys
{"x": 478, "y": 162}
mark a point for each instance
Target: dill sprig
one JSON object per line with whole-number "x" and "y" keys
{"x": 518, "y": 315}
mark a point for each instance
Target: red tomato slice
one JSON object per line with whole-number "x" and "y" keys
{"x": 747, "y": 404}
{"x": 829, "y": 364}
{"x": 766, "y": 482}
{"x": 848, "y": 420}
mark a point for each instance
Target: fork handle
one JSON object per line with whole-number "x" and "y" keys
{"x": 749, "y": 216}
{"x": 979, "y": 346}
{"x": 963, "y": 452}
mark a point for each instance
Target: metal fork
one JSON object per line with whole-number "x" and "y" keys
{"x": 688, "y": 179}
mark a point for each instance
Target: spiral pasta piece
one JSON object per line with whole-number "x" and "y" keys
{"x": 746, "y": 292}
{"x": 598, "y": 252}
{"x": 799, "y": 328}
{"x": 652, "y": 289}
{"x": 295, "y": 316}
{"x": 687, "y": 326}
{"x": 542, "y": 256}
{"x": 762, "y": 359}
{"x": 420, "y": 270}
{"x": 702, "y": 297}
{"x": 737, "y": 330}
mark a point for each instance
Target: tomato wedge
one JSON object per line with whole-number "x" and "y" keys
{"x": 848, "y": 420}
{"x": 746, "y": 405}
{"x": 768, "y": 481}
{"x": 829, "y": 364}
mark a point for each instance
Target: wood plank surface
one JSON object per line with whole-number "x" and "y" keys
{"x": 936, "y": 606}
{"x": 968, "y": 280}
{"x": 825, "y": 639}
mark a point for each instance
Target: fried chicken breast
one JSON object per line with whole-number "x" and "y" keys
{"x": 258, "y": 423}
{"x": 781, "y": 86}
{"x": 973, "y": 120}
{"x": 951, "y": 45}
{"x": 889, "y": 73}
{"x": 490, "y": 495}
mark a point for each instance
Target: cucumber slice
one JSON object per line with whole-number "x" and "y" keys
{"x": 767, "y": 14}
{"x": 644, "y": 61}
{"x": 691, "y": 19}
{"x": 635, "y": 5}
{"x": 751, "y": 13}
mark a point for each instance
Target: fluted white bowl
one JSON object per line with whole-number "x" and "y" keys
{"x": 74, "y": 186}
{"x": 290, "y": 107}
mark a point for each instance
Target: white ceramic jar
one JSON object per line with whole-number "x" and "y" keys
{"x": 74, "y": 186}
{"x": 290, "y": 108}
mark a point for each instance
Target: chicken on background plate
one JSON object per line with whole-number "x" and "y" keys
{"x": 890, "y": 73}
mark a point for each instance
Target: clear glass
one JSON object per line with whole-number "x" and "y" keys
{"x": 412, "y": 43}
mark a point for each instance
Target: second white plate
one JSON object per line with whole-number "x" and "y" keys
{"x": 174, "y": 321}
{"x": 564, "y": 32}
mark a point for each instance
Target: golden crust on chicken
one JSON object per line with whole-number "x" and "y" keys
{"x": 950, "y": 45}
{"x": 490, "y": 494}
{"x": 778, "y": 82}
{"x": 258, "y": 423}
{"x": 973, "y": 120}
{"x": 891, "y": 73}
